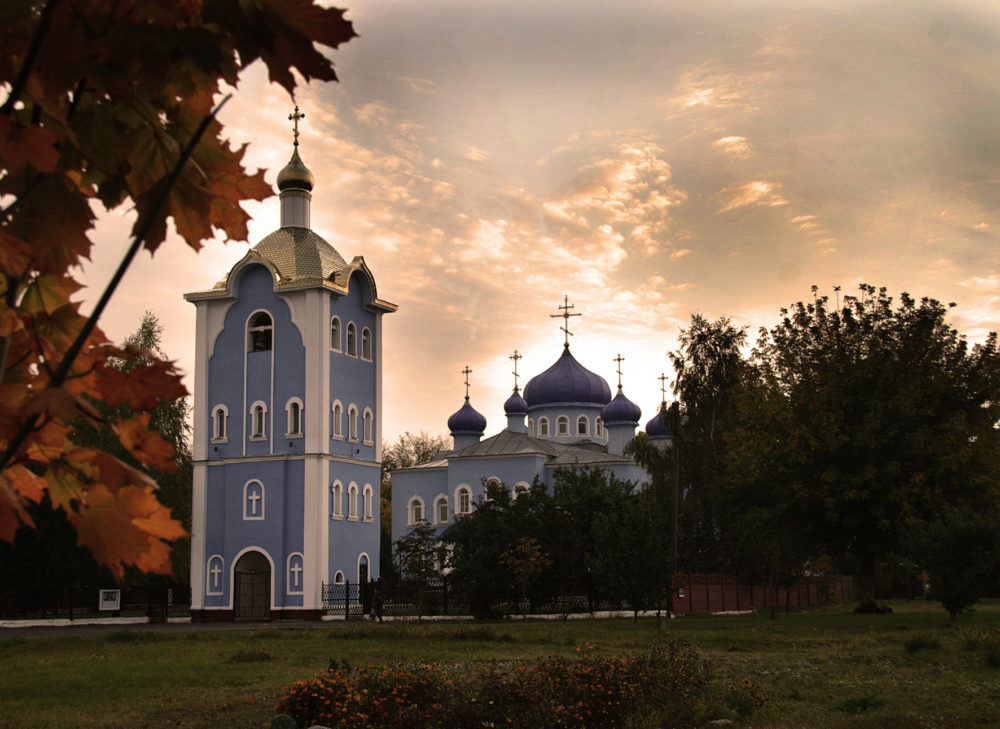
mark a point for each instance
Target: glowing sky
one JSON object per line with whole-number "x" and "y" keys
{"x": 649, "y": 159}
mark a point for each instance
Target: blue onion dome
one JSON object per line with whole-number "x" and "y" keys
{"x": 567, "y": 382}
{"x": 659, "y": 425}
{"x": 515, "y": 404}
{"x": 295, "y": 174}
{"x": 467, "y": 420}
{"x": 620, "y": 411}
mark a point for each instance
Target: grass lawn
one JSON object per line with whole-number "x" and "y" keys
{"x": 822, "y": 669}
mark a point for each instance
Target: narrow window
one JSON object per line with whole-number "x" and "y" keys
{"x": 369, "y": 502}
{"x": 562, "y": 425}
{"x": 259, "y": 332}
{"x": 338, "y": 579}
{"x": 368, "y": 425}
{"x": 335, "y": 333}
{"x": 416, "y": 511}
{"x": 531, "y": 427}
{"x": 598, "y": 427}
{"x": 441, "y": 510}
{"x": 352, "y": 423}
{"x": 581, "y": 425}
{"x": 336, "y": 495}
{"x": 543, "y": 427}
{"x": 258, "y": 420}
{"x": 294, "y": 418}
{"x": 366, "y": 343}
{"x": 352, "y": 501}
{"x": 220, "y": 415}
{"x": 352, "y": 339}
{"x": 464, "y": 501}
{"x": 338, "y": 420}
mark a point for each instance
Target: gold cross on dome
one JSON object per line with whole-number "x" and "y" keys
{"x": 565, "y": 307}
{"x": 663, "y": 386}
{"x": 619, "y": 359}
{"x": 294, "y": 118}
{"x": 516, "y": 356}
{"x": 466, "y": 372}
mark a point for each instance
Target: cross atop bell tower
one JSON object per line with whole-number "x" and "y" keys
{"x": 294, "y": 118}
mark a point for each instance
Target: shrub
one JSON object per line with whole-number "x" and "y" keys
{"x": 670, "y": 682}
{"x": 861, "y": 704}
{"x": 921, "y": 642}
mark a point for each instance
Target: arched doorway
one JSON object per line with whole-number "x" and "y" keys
{"x": 252, "y": 585}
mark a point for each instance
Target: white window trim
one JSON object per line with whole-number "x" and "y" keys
{"x": 491, "y": 481}
{"x": 368, "y": 427}
{"x": 338, "y": 345}
{"x": 437, "y": 517}
{"x": 543, "y": 425}
{"x": 366, "y": 333}
{"x": 216, "y": 437}
{"x": 263, "y": 434}
{"x": 531, "y": 427}
{"x": 337, "y": 429}
{"x": 458, "y": 499}
{"x": 598, "y": 427}
{"x": 521, "y": 487}
{"x": 352, "y": 423}
{"x": 562, "y": 420}
{"x": 337, "y": 500}
{"x": 338, "y": 578}
{"x": 352, "y": 501}
{"x": 351, "y": 327}
{"x": 289, "y": 587}
{"x": 368, "y": 497}
{"x": 302, "y": 417}
{"x": 247, "y": 513}
{"x": 586, "y": 425}
{"x": 249, "y": 336}
{"x": 221, "y": 574}
{"x": 410, "y": 521}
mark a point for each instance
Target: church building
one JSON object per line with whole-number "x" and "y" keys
{"x": 566, "y": 418}
{"x": 287, "y": 422}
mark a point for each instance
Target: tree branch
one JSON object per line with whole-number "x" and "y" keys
{"x": 59, "y": 377}
{"x": 17, "y": 88}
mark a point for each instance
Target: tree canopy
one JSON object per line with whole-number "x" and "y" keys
{"x": 110, "y": 104}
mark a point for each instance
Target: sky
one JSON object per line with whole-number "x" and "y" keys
{"x": 646, "y": 159}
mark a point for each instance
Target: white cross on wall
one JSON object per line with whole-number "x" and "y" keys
{"x": 296, "y": 570}
{"x": 216, "y": 570}
{"x": 253, "y": 498}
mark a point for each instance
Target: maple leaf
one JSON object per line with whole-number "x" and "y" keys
{"x": 141, "y": 387}
{"x": 126, "y": 527}
{"x": 22, "y": 145}
{"x": 146, "y": 445}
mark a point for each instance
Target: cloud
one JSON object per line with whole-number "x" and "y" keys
{"x": 737, "y": 147}
{"x": 759, "y": 193}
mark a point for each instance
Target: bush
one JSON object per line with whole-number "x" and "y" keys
{"x": 669, "y": 682}
{"x": 921, "y": 642}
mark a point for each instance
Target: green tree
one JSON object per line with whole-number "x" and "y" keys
{"x": 960, "y": 550}
{"x": 888, "y": 418}
{"x": 114, "y": 103}
{"x": 420, "y": 553}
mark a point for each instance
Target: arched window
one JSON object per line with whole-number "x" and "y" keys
{"x": 521, "y": 487}
{"x": 258, "y": 421}
{"x": 441, "y": 510}
{"x": 338, "y": 579}
{"x": 366, "y": 343}
{"x": 562, "y": 425}
{"x": 352, "y": 501}
{"x": 416, "y": 510}
{"x": 337, "y": 501}
{"x": 294, "y": 411}
{"x": 352, "y": 422}
{"x": 253, "y": 500}
{"x": 220, "y": 416}
{"x": 369, "y": 499}
{"x": 464, "y": 500}
{"x": 337, "y": 428}
{"x": 368, "y": 426}
{"x": 582, "y": 425}
{"x": 543, "y": 427}
{"x": 259, "y": 331}
{"x": 352, "y": 339}
{"x": 531, "y": 427}
{"x": 598, "y": 427}
{"x": 335, "y": 333}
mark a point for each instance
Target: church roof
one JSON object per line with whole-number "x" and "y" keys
{"x": 467, "y": 420}
{"x": 512, "y": 443}
{"x": 515, "y": 404}
{"x": 295, "y": 175}
{"x": 659, "y": 425}
{"x": 299, "y": 254}
{"x": 621, "y": 410}
{"x": 567, "y": 382}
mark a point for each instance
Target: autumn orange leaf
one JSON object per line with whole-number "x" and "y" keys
{"x": 146, "y": 445}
